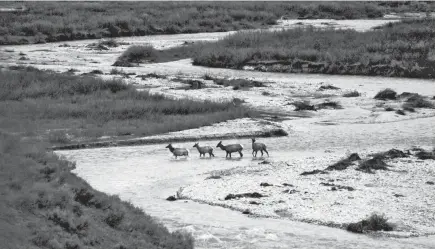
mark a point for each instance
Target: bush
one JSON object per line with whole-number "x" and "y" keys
{"x": 386, "y": 94}
{"x": 303, "y": 105}
{"x": 328, "y": 105}
{"x": 351, "y": 94}
{"x": 375, "y": 222}
{"x": 344, "y": 163}
{"x": 417, "y": 101}
{"x": 374, "y": 163}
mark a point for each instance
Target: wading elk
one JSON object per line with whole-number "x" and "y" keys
{"x": 258, "y": 147}
{"x": 204, "y": 149}
{"x": 178, "y": 151}
{"x": 231, "y": 148}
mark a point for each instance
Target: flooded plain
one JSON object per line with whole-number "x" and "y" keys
{"x": 147, "y": 175}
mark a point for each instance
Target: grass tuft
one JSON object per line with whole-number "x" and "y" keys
{"x": 386, "y": 94}
{"x": 351, "y": 94}
{"x": 375, "y": 222}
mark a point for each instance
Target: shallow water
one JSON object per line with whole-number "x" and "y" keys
{"x": 146, "y": 175}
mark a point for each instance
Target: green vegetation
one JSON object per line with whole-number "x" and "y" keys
{"x": 44, "y": 205}
{"x": 62, "y": 21}
{"x": 404, "y": 49}
{"x": 375, "y": 222}
{"x": 63, "y": 107}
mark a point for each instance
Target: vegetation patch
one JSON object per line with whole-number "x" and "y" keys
{"x": 238, "y": 83}
{"x": 425, "y": 155}
{"x": 47, "y": 206}
{"x": 313, "y": 172}
{"x": 55, "y": 22}
{"x": 335, "y": 187}
{"x": 375, "y": 222}
{"x": 303, "y": 106}
{"x": 418, "y": 101}
{"x": 87, "y": 107}
{"x": 244, "y": 195}
{"x": 351, "y": 94}
{"x": 391, "y": 154}
{"x": 328, "y": 87}
{"x": 329, "y": 105}
{"x": 344, "y": 163}
{"x": 390, "y": 51}
{"x": 386, "y": 94}
{"x": 147, "y": 54}
{"x": 375, "y": 163}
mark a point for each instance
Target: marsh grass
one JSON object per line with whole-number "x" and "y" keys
{"x": 374, "y": 222}
{"x": 83, "y": 106}
{"x": 45, "y": 205}
{"x": 403, "y": 49}
{"x": 53, "y": 21}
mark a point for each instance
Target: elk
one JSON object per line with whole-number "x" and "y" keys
{"x": 258, "y": 147}
{"x": 231, "y": 148}
{"x": 204, "y": 149}
{"x": 178, "y": 151}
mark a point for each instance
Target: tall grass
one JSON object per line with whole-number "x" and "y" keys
{"x": 400, "y": 49}
{"x": 44, "y": 205}
{"x": 35, "y": 102}
{"x": 55, "y": 21}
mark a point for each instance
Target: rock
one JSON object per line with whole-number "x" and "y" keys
{"x": 398, "y": 195}
{"x": 254, "y": 203}
{"x": 265, "y": 184}
{"x": 171, "y": 198}
{"x": 287, "y": 185}
{"x": 313, "y": 172}
{"x": 246, "y": 211}
{"x": 244, "y": 195}
{"x": 430, "y": 183}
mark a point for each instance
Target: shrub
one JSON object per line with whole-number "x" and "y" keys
{"x": 374, "y": 163}
{"x": 386, "y": 94}
{"x": 400, "y": 112}
{"x": 351, "y": 94}
{"x": 328, "y": 87}
{"x": 344, "y": 163}
{"x": 303, "y": 105}
{"x": 114, "y": 218}
{"x": 418, "y": 101}
{"x": 328, "y": 105}
{"x": 375, "y": 222}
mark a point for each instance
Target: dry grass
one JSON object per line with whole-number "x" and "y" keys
{"x": 44, "y": 205}
{"x": 53, "y": 21}
{"x": 83, "y": 106}
{"x": 375, "y": 222}
{"x": 403, "y": 49}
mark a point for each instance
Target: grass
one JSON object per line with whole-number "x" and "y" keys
{"x": 417, "y": 101}
{"x": 44, "y": 205}
{"x": 386, "y": 94}
{"x": 344, "y": 163}
{"x": 352, "y": 94}
{"x": 403, "y": 49}
{"x": 305, "y": 105}
{"x": 238, "y": 83}
{"x": 55, "y": 22}
{"x": 71, "y": 107}
{"x": 374, "y": 222}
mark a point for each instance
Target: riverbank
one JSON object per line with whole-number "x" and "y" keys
{"x": 44, "y": 205}
{"x": 391, "y": 51}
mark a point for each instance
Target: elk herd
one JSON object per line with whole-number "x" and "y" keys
{"x": 229, "y": 148}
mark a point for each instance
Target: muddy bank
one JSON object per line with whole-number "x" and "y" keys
{"x": 173, "y": 139}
